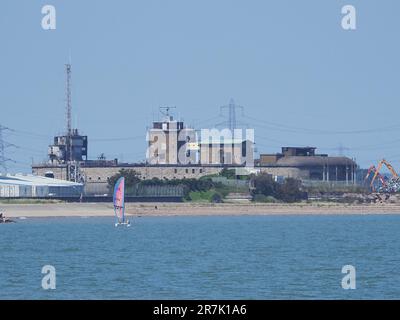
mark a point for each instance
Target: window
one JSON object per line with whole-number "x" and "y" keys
{"x": 187, "y": 170}
{"x": 193, "y": 170}
{"x": 175, "y": 170}
{"x": 49, "y": 174}
{"x": 201, "y": 171}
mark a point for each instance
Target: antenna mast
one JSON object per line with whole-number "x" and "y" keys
{"x": 68, "y": 99}
{"x": 68, "y": 111}
{"x": 165, "y": 111}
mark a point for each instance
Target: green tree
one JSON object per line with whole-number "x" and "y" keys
{"x": 132, "y": 178}
{"x": 290, "y": 190}
{"x": 265, "y": 184}
{"x": 228, "y": 173}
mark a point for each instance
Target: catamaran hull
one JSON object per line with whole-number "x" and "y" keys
{"x": 127, "y": 224}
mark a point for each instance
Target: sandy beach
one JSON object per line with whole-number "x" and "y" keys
{"x": 191, "y": 209}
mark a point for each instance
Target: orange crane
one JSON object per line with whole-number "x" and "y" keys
{"x": 376, "y": 174}
{"x": 389, "y": 166}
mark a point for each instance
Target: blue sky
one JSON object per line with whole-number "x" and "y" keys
{"x": 301, "y": 78}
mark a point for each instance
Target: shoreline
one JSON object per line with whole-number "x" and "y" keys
{"x": 193, "y": 209}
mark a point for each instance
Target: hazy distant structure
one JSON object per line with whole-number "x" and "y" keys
{"x": 3, "y": 146}
{"x": 231, "y": 107}
{"x": 168, "y": 141}
{"x": 3, "y": 165}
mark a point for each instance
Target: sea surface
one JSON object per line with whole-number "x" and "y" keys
{"x": 203, "y": 257}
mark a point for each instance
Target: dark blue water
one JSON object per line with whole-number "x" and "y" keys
{"x": 246, "y": 257}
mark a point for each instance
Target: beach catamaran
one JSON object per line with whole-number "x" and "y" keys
{"x": 119, "y": 203}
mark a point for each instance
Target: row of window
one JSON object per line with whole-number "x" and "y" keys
{"x": 187, "y": 170}
{"x": 98, "y": 178}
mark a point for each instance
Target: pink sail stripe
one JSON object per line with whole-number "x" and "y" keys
{"x": 119, "y": 199}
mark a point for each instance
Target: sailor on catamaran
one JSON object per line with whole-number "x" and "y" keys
{"x": 119, "y": 203}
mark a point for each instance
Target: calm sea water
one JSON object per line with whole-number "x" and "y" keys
{"x": 245, "y": 257}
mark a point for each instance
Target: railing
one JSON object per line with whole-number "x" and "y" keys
{"x": 101, "y": 189}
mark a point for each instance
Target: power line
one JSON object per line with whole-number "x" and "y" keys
{"x": 28, "y": 134}
{"x": 196, "y": 122}
{"x": 116, "y": 139}
{"x": 294, "y": 129}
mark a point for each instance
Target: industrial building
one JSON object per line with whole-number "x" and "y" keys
{"x": 32, "y": 186}
{"x": 72, "y": 147}
{"x": 295, "y": 162}
{"x": 227, "y": 152}
{"x": 303, "y": 163}
{"x": 177, "y": 152}
{"x": 169, "y": 141}
{"x": 174, "y": 152}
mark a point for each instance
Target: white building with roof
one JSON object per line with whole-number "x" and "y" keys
{"x": 31, "y": 186}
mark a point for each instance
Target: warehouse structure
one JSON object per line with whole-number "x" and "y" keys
{"x": 32, "y": 186}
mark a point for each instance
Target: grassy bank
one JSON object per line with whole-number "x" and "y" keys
{"x": 30, "y": 201}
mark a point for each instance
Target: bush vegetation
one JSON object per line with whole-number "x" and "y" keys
{"x": 205, "y": 189}
{"x": 288, "y": 191}
{"x": 194, "y": 189}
